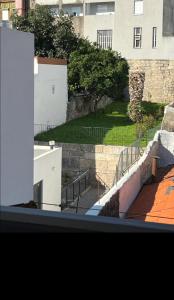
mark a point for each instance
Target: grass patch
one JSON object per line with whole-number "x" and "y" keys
{"x": 108, "y": 126}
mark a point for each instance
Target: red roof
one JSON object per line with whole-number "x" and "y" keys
{"x": 155, "y": 202}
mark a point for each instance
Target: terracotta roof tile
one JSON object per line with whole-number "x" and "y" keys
{"x": 154, "y": 203}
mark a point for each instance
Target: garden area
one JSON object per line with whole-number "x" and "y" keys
{"x": 110, "y": 126}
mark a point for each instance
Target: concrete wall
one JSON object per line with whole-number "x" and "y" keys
{"x": 51, "y": 93}
{"x": 55, "y": 2}
{"x": 168, "y": 20}
{"x": 16, "y": 116}
{"x": 78, "y": 23}
{"x": 130, "y": 185}
{"x": 159, "y": 79}
{"x": 99, "y": 159}
{"x": 97, "y": 22}
{"x": 122, "y": 23}
{"x": 152, "y": 16}
{"x": 168, "y": 119}
{"x": 48, "y": 168}
{"x": 166, "y": 149}
{"x": 20, "y": 7}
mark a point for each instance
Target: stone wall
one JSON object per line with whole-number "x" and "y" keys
{"x": 159, "y": 79}
{"x": 78, "y": 106}
{"x": 100, "y": 159}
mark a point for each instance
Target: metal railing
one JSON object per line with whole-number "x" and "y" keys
{"x": 127, "y": 158}
{"x": 100, "y": 182}
{"x": 93, "y": 135}
{"x": 39, "y": 128}
{"x": 73, "y": 190}
{"x": 132, "y": 153}
{"x": 86, "y": 135}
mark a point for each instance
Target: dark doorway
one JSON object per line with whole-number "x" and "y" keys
{"x": 37, "y": 194}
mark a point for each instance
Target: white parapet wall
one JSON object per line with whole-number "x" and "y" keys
{"x": 16, "y": 116}
{"x": 166, "y": 149}
{"x": 131, "y": 183}
{"x": 48, "y": 170}
{"x": 50, "y": 93}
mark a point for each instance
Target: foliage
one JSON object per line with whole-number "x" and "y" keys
{"x": 135, "y": 111}
{"x": 65, "y": 38}
{"x": 92, "y": 70}
{"x": 154, "y": 109}
{"x": 148, "y": 121}
{"x": 40, "y": 22}
{"x": 119, "y": 129}
{"x": 96, "y": 72}
{"x": 53, "y": 37}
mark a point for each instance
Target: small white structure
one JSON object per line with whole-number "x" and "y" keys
{"x": 16, "y": 116}
{"x": 47, "y": 177}
{"x": 50, "y": 94}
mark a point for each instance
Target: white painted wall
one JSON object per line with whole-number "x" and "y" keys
{"x": 166, "y": 149}
{"x": 152, "y": 16}
{"x": 50, "y": 94}
{"x": 16, "y": 116}
{"x": 92, "y": 23}
{"x": 48, "y": 168}
{"x": 130, "y": 184}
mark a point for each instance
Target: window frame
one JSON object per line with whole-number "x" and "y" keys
{"x": 154, "y": 37}
{"x": 138, "y": 14}
{"x": 105, "y": 41}
{"x": 137, "y": 37}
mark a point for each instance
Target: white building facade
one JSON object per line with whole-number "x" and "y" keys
{"x": 47, "y": 177}
{"x": 16, "y": 116}
{"x": 139, "y": 29}
{"x": 50, "y": 93}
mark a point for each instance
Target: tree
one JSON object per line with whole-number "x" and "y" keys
{"x": 40, "y": 22}
{"x": 54, "y": 36}
{"x": 97, "y": 72}
{"x": 65, "y": 38}
{"x": 91, "y": 70}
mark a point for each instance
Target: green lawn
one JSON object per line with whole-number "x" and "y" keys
{"x": 108, "y": 126}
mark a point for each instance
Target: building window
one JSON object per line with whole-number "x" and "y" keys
{"x": 5, "y": 15}
{"x": 138, "y": 7}
{"x": 137, "y": 37}
{"x": 104, "y": 39}
{"x": 73, "y": 10}
{"x": 100, "y": 8}
{"x": 154, "y": 36}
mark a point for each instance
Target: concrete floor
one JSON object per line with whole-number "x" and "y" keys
{"x": 86, "y": 201}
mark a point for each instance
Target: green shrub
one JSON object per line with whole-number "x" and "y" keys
{"x": 148, "y": 121}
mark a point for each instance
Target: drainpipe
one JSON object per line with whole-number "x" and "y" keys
{"x": 83, "y": 8}
{"x": 154, "y": 167}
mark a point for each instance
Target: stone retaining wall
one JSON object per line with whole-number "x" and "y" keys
{"x": 100, "y": 159}
{"x": 78, "y": 106}
{"x": 159, "y": 79}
